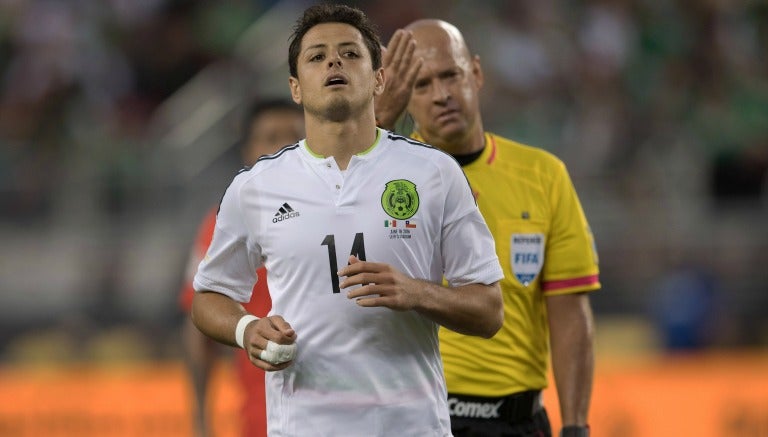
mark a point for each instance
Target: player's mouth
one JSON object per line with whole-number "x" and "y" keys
{"x": 335, "y": 80}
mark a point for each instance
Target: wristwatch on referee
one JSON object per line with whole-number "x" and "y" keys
{"x": 575, "y": 431}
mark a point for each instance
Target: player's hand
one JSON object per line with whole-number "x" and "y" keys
{"x": 382, "y": 285}
{"x": 400, "y": 70}
{"x": 257, "y": 335}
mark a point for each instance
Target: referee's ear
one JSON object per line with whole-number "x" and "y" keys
{"x": 477, "y": 71}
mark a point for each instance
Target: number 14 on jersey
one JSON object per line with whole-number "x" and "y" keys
{"x": 358, "y": 251}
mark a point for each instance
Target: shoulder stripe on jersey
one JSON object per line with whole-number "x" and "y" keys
{"x": 268, "y": 157}
{"x": 394, "y": 136}
{"x": 261, "y": 158}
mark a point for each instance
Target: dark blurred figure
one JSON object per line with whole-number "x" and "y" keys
{"x": 268, "y": 126}
{"x": 685, "y": 308}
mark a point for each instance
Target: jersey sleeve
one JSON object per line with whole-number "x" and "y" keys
{"x": 571, "y": 257}
{"x": 229, "y": 266}
{"x": 467, "y": 245}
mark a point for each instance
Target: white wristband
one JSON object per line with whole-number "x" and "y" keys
{"x": 240, "y": 329}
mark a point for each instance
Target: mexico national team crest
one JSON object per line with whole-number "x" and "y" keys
{"x": 527, "y": 256}
{"x": 400, "y": 199}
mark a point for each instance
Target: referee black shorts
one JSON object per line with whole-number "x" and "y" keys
{"x": 516, "y": 415}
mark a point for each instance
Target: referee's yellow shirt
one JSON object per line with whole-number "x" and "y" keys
{"x": 545, "y": 247}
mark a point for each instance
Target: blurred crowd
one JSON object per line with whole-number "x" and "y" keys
{"x": 80, "y": 81}
{"x": 659, "y": 109}
{"x": 606, "y": 84}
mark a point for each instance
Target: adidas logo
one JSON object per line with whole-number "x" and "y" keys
{"x": 284, "y": 213}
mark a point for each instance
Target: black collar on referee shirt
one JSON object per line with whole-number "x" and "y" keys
{"x": 468, "y": 158}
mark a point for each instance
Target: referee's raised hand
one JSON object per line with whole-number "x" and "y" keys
{"x": 400, "y": 71}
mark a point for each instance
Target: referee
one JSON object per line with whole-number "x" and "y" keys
{"x": 543, "y": 242}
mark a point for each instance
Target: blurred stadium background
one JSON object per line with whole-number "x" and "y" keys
{"x": 117, "y": 120}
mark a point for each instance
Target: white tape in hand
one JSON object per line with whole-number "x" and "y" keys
{"x": 278, "y": 353}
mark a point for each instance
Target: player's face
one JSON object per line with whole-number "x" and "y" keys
{"x": 445, "y": 103}
{"x": 336, "y": 78}
{"x": 270, "y": 131}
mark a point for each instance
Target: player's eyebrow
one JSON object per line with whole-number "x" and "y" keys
{"x": 323, "y": 45}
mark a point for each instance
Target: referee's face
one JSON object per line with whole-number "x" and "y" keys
{"x": 444, "y": 103}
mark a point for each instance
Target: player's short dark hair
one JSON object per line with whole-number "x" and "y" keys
{"x": 259, "y": 107}
{"x": 333, "y": 13}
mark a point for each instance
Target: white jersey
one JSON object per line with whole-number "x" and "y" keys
{"x": 358, "y": 371}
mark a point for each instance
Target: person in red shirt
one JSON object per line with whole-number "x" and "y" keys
{"x": 268, "y": 126}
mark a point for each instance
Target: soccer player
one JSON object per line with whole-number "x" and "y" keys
{"x": 268, "y": 125}
{"x": 544, "y": 244}
{"x": 357, "y": 228}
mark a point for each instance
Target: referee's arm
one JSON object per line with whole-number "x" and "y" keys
{"x": 571, "y": 327}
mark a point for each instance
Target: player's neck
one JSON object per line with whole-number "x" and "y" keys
{"x": 341, "y": 140}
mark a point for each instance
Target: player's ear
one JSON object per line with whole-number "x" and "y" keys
{"x": 378, "y": 88}
{"x": 293, "y": 83}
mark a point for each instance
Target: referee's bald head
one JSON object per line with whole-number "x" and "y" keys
{"x": 431, "y": 31}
